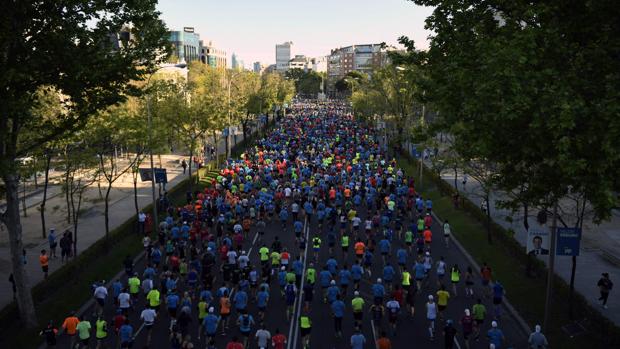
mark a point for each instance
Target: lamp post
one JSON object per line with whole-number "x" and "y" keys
{"x": 150, "y": 136}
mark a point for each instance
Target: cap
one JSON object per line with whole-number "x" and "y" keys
{"x": 449, "y": 322}
{"x": 467, "y": 312}
{"x": 211, "y": 309}
{"x": 333, "y": 282}
{"x": 356, "y": 293}
{"x": 242, "y": 252}
{"x": 428, "y": 253}
{"x": 494, "y": 324}
{"x": 430, "y": 297}
{"x": 283, "y": 268}
{"x": 379, "y": 280}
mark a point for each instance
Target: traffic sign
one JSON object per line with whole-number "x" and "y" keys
{"x": 568, "y": 241}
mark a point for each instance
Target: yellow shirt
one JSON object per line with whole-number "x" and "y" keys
{"x": 442, "y": 297}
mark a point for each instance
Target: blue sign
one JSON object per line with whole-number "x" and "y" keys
{"x": 225, "y": 132}
{"x": 568, "y": 241}
{"x": 160, "y": 175}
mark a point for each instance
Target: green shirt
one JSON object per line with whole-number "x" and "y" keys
{"x": 305, "y": 322}
{"x": 153, "y": 298}
{"x": 275, "y": 258}
{"x": 264, "y": 253}
{"x": 408, "y": 236}
{"x": 134, "y": 285}
{"x": 101, "y": 329}
{"x": 358, "y": 304}
{"x": 83, "y": 329}
{"x": 311, "y": 275}
{"x": 345, "y": 241}
{"x": 479, "y": 311}
{"x": 290, "y": 277}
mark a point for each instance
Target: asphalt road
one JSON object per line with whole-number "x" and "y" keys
{"x": 410, "y": 331}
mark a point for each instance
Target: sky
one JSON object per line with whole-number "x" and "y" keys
{"x": 251, "y": 28}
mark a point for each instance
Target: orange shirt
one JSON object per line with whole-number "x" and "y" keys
{"x": 347, "y": 193}
{"x": 224, "y": 305}
{"x": 384, "y": 343}
{"x": 70, "y": 325}
{"x": 359, "y": 247}
{"x": 428, "y": 236}
{"x": 44, "y": 260}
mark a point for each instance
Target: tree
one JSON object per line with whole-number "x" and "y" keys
{"x": 58, "y": 44}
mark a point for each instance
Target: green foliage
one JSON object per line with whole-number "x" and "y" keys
{"x": 532, "y": 87}
{"x": 306, "y": 83}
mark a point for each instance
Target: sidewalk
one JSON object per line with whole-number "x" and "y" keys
{"x": 91, "y": 222}
{"x": 600, "y": 245}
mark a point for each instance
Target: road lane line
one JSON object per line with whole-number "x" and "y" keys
{"x": 374, "y": 336}
{"x": 293, "y": 324}
{"x": 303, "y": 279}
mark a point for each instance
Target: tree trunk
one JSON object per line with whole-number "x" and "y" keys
{"x": 135, "y": 193}
{"x": 24, "y": 199}
{"x": 191, "y": 160}
{"x": 67, "y": 192}
{"x": 106, "y": 212}
{"x": 456, "y": 179}
{"x": 489, "y": 237}
{"x": 217, "y": 150}
{"x": 226, "y": 144}
{"x": 13, "y": 223}
{"x": 48, "y": 160}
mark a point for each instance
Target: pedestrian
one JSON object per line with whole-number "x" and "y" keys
{"x": 384, "y": 342}
{"x": 442, "y": 301}
{"x": 245, "y": 322}
{"x": 83, "y": 328}
{"x": 50, "y": 332}
{"x": 184, "y": 165}
{"x": 455, "y": 277}
{"x": 495, "y": 335}
{"x": 65, "y": 247}
{"x": 357, "y": 339}
{"x": 141, "y": 222}
{"x": 487, "y": 273}
{"x": 305, "y": 325}
{"x": 467, "y": 323}
{"x": 498, "y": 295}
{"x": 262, "y": 337}
{"x": 605, "y": 285}
{"x": 431, "y": 315}
{"x": 447, "y": 231}
{"x": 70, "y": 327}
{"x": 234, "y": 343}
{"x": 469, "y": 283}
{"x": 126, "y": 334}
{"x": 100, "y": 294}
{"x": 479, "y": 313}
{"x": 148, "y": 317}
{"x": 449, "y": 333}
{"x": 278, "y": 341}
{"x": 537, "y": 340}
{"x": 51, "y": 239}
{"x": 393, "y": 308}
{"x": 338, "y": 309}
{"x": 101, "y": 330}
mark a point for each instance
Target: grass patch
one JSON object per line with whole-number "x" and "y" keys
{"x": 507, "y": 257}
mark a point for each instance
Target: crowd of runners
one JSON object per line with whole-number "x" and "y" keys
{"x": 312, "y": 224}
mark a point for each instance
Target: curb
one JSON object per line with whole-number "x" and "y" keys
{"x": 91, "y": 301}
{"x": 526, "y": 329}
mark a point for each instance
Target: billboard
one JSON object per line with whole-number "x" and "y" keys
{"x": 568, "y": 241}
{"x": 146, "y": 175}
{"x": 538, "y": 243}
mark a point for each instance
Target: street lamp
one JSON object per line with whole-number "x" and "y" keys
{"x": 150, "y": 127}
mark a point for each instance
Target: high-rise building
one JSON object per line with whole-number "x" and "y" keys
{"x": 236, "y": 62}
{"x": 186, "y": 44}
{"x": 362, "y": 58}
{"x": 299, "y": 62}
{"x": 283, "y": 56}
{"x": 213, "y": 56}
{"x": 258, "y": 67}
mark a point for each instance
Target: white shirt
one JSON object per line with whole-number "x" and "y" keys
{"x": 243, "y": 261}
{"x": 232, "y": 257}
{"x": 101, "y": 292}
{"x": 287, "y": 192}
{"x": 147, "y": 285}
{"x": 393, "y": 306}
{"x": 263, "y": 338}
{"x": 148, "y": 316}
{"x": 124, "y": 300}
{"x": 141, "y": 217}
{"x": 356, "y": 221}
{"x": 431, "y": 311}
{"x": 368, "y": 224}
{"x": 446, "y": 229}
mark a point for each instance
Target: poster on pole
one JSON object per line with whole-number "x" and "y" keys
{"x": 568, "y": 241}
{"x": 538, "y": 243}
{"x": 146, "y": 175}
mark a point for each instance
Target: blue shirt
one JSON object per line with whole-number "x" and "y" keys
{"x": 126, "y": 332}
{"x": 378, "y": 290}
{"x": 261, "y": 298}
{"x": 401, "y": 255}
{"x": 245, "y": 323}
{"x": 498, "y": 290}
{"x": 388, "y": 273}
{"x": 325, "y": 277}
{"x": 338, "y": 308}
{"x": 357, "y": 341}
{"x": 241, "y": 300}
{"x": 420, "y": 271}
{"x": 384, "y": 245}
{"x": 173, "y": 301}
{"x": 332, "y": 292}
{"x": 495, "y": 337}
{"x": 357, "y": 271}
{"x": 345, "y": 277}
{"x": 210, "y": 323}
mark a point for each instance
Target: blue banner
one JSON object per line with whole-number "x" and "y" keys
{"x": 568, "y": 241}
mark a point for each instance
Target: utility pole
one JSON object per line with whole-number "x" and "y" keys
{"x": 554, "y": 229}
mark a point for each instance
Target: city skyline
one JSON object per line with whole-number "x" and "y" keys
{"x": 252, "y": 29}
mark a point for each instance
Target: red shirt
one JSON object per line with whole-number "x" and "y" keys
{"x": 234, "y": 345}
{"x": 278, "y": 341}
